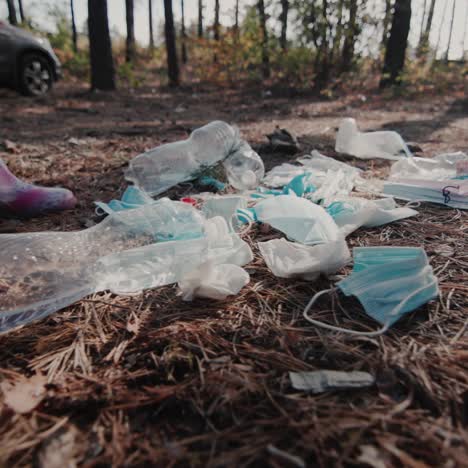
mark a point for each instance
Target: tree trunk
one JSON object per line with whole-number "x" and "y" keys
{"x": 465, "y": 28}
{"x": 339, "y": 30}
{"x": 183, "y": 34}
{"x": 216, "y": 21}
{"x": 12, "y": 18}
{"x": 21, "y": 11}
{"x": 439, "y": 35}
{"x": 397, "y": 43}
{"x": 73, "y": 25}
{"x": 171, "y": 51}
{"x": 424, "y": 42}
{"x": 100, "y": 47}
{"x": 264, "y": 32}
{"x": 284, "y": 23}
{"x": 422, "y": 21}
{"x": 130, "y": 44}
{"x": 386, "y": 22}
{"x": 236, "y": 20}
{"x": 451, "y": 31}
{"x": 200, "y": 18}
{"x": 350, "y": 38}
{"x": 150, "y": 19}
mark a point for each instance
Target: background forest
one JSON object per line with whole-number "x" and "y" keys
{"x": 320, "y": 44}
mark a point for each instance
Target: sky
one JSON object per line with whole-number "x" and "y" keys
{"x": 117, "y": 17}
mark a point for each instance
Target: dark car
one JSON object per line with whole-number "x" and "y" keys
{"x": 27, "y": 63}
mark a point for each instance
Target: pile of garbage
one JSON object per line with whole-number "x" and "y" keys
{"x": 197, "y": 242}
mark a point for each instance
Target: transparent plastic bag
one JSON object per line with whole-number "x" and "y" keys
{"x": 127, "y": 252}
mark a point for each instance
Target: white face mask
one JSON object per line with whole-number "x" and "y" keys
{"x": 291, "y": 260}
{"x": 351, "y": 213}
{"x": 299, "y": 219}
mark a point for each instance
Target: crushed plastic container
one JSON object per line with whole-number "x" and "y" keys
{"x": 127, "y": 252}
{"x": 165, "y": 166}
{"x": 369, "y": 145}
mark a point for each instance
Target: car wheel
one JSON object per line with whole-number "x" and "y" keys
{"x": 36, "y": 77}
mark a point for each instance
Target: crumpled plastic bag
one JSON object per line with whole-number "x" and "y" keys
{"x": 292, "y": 260}
{"x": 213, "y": 281}
{"x": 442, "y": 166}
{"x": 351, "y": 213}
{"x": 369, "y": 145}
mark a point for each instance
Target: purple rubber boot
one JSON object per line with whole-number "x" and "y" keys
{"x": 18, "y": 198}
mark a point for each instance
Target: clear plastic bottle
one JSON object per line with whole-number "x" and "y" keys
{"x": 127, "y": 252}
{"x": 165, "y": 166}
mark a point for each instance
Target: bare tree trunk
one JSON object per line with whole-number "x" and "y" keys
{"x": 100, "y": 47}
{"x": 339, "y": 30}
{"x": 386, "y": 22}
{"x": 236, "y": 20}
{"x": 451, "y": 31}
{"x": 284, "y": 23}
{"x": 216, "y": 22}
{"x": 150, "y": 19}
{"x": 351, "y": 33}
{"x": 172, "y": 64}
{"x": 130, "y": 44}
{"x": 183, "y": 33}
{"x": 73, "y": 25}
{"x": 422, "y": 21}
{"x": 200, "y": 18}
{"x": 21, "y": 11}
{"x": 397, "y": 43}
{"x": 12, "y": 18}
{"x": 439, "y": 35}
{"x": 465, "y": 28}
{"x": 424, "y": 42}
{"x": 264, "y": 32}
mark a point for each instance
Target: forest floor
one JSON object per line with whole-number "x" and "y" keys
{"x": 152, "y": 380}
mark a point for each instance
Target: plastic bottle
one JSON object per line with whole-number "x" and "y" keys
{"x": 165, "y": 166}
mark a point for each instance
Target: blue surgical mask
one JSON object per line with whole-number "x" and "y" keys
{"x": 133, "y": 197}
{"x": 389, "y": 282}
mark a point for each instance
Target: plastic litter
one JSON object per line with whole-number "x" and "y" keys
{"x": 18, "y": 198}
{"x": 132, "y": 198}
{"x": 209, "y": 181}
{"x": 369, "y": 145}
{"x": 388, "y": 281}
{"x": 452, "y": 193}
{"x": 299, "y": 219}
{"x": 213, "y": 282}
{"x": 441, "y": 167}
{"x": 127, "y": 252}
{"x": 292, "y": 260}
{"x": 163, "y": 167}
{"x": 225, "y": 206}
{"x": 283, "y": 140}
{"x": 351, "y": 213}
{"x": 324, "y": 380}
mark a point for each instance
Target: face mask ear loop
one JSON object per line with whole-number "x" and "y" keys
{"x": 332, "y": 327}
{"x": 400, "y": 306}
{"x": 394, "y": 312}
{"x": 413, "y": 204}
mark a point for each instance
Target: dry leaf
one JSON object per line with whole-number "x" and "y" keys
{"x": 23, "y": 395}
